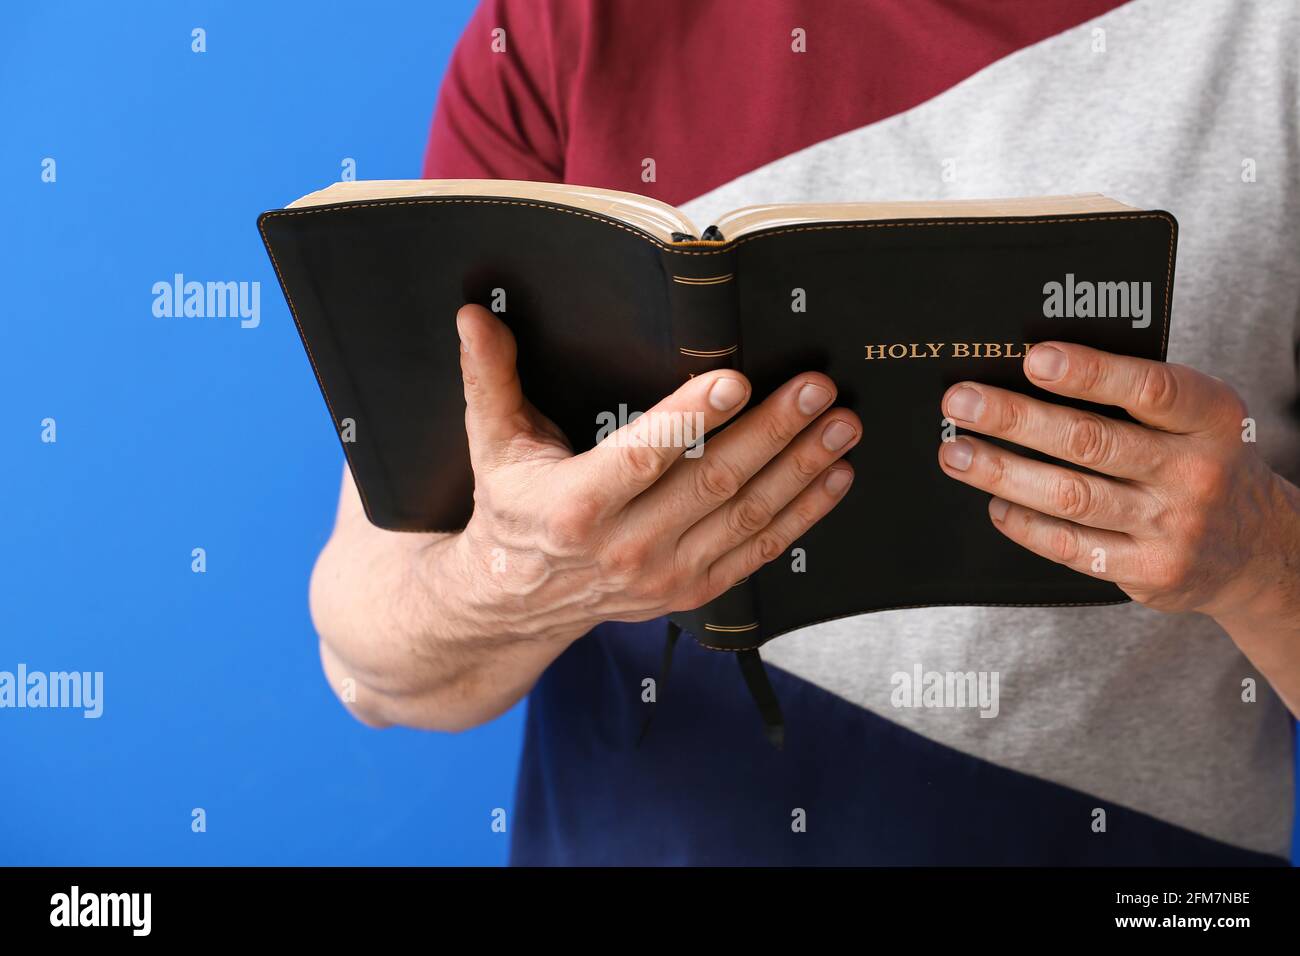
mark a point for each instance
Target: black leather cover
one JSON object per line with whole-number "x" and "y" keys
{"x": 606, "y": 315}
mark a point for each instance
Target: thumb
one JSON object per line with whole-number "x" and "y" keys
{"x": 495, "y": 409}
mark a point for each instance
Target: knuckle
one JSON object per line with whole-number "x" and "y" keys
{"x": 640, "y": 463}
{"x": 1158, "y": 390}
{"x": 625, "y": 559}
{"x": 1074, "y": 497}
{"x": 1131, "y": 511}
{"x": 806, "y": 515}
{"x": 1155, "y": 455}
{"x": 768, "y": 546}
{"x": 1011, "y": 416}
{"x": 1235, "y": 407}
{"x": 1159, "y": 515}
{"x": 747, "y": 516}
{"x": 1063, "y": 544}
{"x": 1168, "y": 574}
{"x": 568, "y": 526}
{"x": 1092, "y": 372}
{"x": 661, "y": 589}
{"x": 717, "y": 479}
{"x": 1208, "y": 480}
{"x": 805, "y": 468}
{"x": 1089, "y": 442}
{"x": 776, "y": 431}
{"x": 997, "y": 471}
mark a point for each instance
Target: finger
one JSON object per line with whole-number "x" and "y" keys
{"x": 774, "y": 487}
{"x": 697, "y": 486}
{"x": 631, "y": 459}
{"x": 793, "y": 521}
{"x": 1087, "y": 499}
{"x": 1111, "y": 447}
{"x": 1174, "y": 398}
{"x": 1107, "y": 555}
{"x": 494, "y": 401}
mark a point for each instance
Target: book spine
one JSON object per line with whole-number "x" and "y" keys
{"x": 705, "y": 308}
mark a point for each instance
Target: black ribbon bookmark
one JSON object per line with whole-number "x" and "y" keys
{"x": 755, "y": 675}
{"x": 760, "y": 688}
{"x": 674, "y": 632}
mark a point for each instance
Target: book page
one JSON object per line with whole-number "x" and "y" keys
{"x": 649, "y": 215}
{"x": 752, "y": 218}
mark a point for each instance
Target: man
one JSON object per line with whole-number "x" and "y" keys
{"x": 1154, "y": 732}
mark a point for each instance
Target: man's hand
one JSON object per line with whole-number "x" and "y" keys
{"x": 632, "y": 529}
{"x": 446, "y": 631}
{"x": 1178, "y": 510}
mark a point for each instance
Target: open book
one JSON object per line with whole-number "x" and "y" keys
{"x": 615, "y": 299}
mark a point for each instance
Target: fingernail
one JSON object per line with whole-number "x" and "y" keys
{"x": 998, "y": 508}
{"x": 813, "y": 398}
{"x": 957, "y": 454}
{"x": 837, "y": 479}
{"x": 1046, "y": 363}
{"x": 837, "y": 434}
{"x": 965, "y": 404}
{"x": 726, "y": 394}
{"x": 460, "y": 332}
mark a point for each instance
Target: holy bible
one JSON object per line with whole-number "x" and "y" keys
{"x": 615, "y": 299}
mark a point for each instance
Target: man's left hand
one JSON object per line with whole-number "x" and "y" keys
{"x": 1179, "y": 510}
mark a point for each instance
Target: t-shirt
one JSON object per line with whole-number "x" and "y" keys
{"x": 1121, "y": 735}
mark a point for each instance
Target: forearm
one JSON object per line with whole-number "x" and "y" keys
{"x": 1265, "y": 621}
{"x": 401, "y": 640}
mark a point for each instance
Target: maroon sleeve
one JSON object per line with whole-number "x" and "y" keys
{"x": 497, "y": 115}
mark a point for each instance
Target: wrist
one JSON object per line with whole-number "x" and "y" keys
{"x": 469, "y": 583}
{"x": 1265, "y": 595}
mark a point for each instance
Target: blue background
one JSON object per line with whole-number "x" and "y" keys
{"x": 182, "y": 433}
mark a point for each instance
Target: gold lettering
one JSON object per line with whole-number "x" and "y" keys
{"x": 928, "y": 350}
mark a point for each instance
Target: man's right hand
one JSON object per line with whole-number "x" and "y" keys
{"x": 628, "y": 531}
